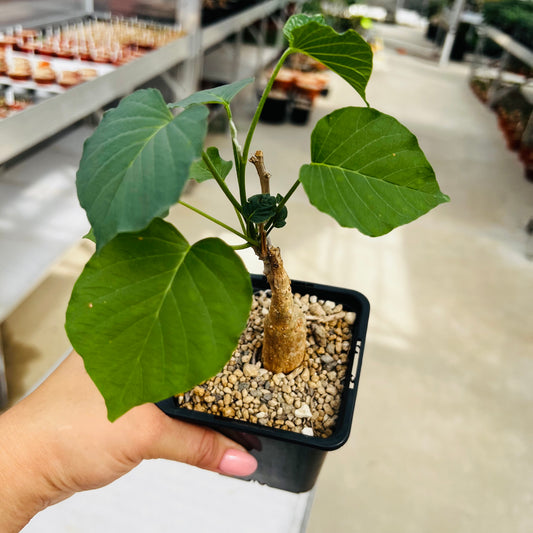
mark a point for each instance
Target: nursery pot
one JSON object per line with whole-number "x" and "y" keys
{"x": 287, "y": 460}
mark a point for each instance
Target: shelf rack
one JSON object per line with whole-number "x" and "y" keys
{"x": 25, "y": 129}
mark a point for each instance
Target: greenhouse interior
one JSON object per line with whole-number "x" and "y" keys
{"x": 163, "y": 369}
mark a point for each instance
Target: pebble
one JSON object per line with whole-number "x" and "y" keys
{"x": 350, "y": 318}
{"x": 250, "y": 371}
{"x": 303, "y": 412}
{"x": 278, "y": 378}
{"x": 316, "y": 309}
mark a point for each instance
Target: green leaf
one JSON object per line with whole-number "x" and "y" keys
{"x": 136, "y": 163}
{"x": 260, "y": 208}
{"x": 346, "y": 54}
{"x": 280, "y": 219}
{"x": 299, "y": 20}
{"x": 90, "y": 235}
{"x": 153, "y": 316}
{"x": 218, "y": 95}
{"x": 368, "y": 172}
{"x": 200, "y": 171}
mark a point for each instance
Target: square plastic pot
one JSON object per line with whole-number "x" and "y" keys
{"x": 287, "y": 460}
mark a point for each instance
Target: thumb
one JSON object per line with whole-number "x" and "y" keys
{"x": 201, "y": 447}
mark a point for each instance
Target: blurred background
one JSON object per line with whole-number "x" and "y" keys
{"x": 443, "y": 427}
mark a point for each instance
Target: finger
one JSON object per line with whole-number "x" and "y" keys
{"x": 202, "y": 447}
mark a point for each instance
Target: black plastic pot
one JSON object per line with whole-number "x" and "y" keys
{"x": 287, "y": 460}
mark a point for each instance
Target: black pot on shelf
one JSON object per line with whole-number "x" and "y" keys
{"x": 287, "y": 460}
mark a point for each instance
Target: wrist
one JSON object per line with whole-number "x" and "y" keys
{"x": 24, "y": 486}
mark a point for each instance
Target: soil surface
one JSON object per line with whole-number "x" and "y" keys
{"x": 306, "y": 400}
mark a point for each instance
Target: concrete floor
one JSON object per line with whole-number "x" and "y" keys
{"x": 443, "y": 424}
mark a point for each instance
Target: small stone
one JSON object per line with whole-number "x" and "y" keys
{"x": 326, "y": 359}
{"x": 288, "y": 398}
{"x": 319, "y": 331}
{"x": 307, "y": 431}
{"x": 329, "y": 305}
{"x": 250, "y": 371}
{"x": 350, "y": 318}
{"x": 261, "y": 415}
{"x": 228, "y": 412}
{"x": 328, "y": 410}
{"x": 331, "y": 389}
{"x": 303, "y": 412}
{"x": 305, "y": 375}
{"x": 295, "y": 373}
{"x": 317, "y": 310}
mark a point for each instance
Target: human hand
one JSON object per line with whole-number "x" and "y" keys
{"x": 58, "y": 441}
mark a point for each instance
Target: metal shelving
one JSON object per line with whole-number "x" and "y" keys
{"x": 24, "y": 130}
{"x": 27, "y": 128}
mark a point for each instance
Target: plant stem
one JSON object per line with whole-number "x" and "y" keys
{"x": 221, "y": 183}
{"x": 237, "y": 154}
{"x": 225, "y": 226}
{"x": 241, "y": 221}
{"x": 241, "y": 246}
{"x": 261, "y": 104}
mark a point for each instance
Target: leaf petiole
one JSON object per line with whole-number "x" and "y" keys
{"x": 261, "y": 104}
{"x": 281, "y": 205}
{"x": 218, "y": 222}
{"x": 220, "y": 181}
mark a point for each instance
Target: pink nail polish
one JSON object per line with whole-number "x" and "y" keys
{"x": 237, "y": 463}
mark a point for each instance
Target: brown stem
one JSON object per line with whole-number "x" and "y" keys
{"x": 285, "y": 331}
{"x": 264, "y": 177}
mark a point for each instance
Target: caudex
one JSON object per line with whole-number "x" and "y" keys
{"x": 152, "y": 315}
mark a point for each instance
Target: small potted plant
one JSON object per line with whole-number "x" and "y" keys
{"x": 154, "y": 317}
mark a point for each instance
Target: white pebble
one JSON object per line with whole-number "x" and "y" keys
{"x": 350, "y": 318}
{"x": 303, "y": 412}
{"x": 307, "y": 431}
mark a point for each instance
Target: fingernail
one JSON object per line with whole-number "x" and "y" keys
{"x": 237, "y": 463}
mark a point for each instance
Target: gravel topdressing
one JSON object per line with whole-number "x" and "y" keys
{"x": 306, "y": 400}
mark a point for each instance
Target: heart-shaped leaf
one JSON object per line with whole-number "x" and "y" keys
{"x": 200, "y": 171}
{"x": 347, "y": 54}
{"x": 136, "y": 163}
{"x": 223, "y": 94}
{"x": 153, "y": 316}
{"x": 368, "y": 172}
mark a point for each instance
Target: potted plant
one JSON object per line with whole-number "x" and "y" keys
{"x": 154, "y": 316}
